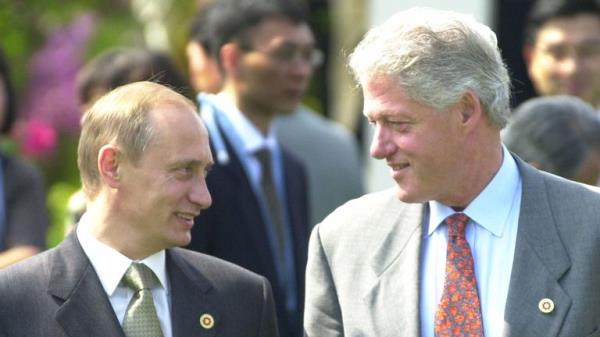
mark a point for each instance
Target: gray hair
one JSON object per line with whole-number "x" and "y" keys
{"x": 436, "y": 56}
{"x": 555, "y": 132}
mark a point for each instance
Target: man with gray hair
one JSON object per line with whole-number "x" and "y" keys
{"x": 557, "y": 134}
{"x": 472, "y": 241}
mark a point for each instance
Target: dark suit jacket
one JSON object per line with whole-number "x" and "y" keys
{"x": 363, "y": 269}
{"x": 58, "y": 293}
{"x": 233, "y": 228}
{"x": 24, "y": 203}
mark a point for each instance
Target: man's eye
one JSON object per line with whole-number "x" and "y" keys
{"x": 401, "y": 126}
{"x": 185, "y": 171}
{"x": 557, "y": 52}
{"x": 285, "y": 53}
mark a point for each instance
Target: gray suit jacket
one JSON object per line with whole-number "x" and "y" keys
{"x": 58, "y": 293}
{"x": 363, "y": 265}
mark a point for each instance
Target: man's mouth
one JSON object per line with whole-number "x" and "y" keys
{"x": 398, "y": 166}
{"x": 187, "y": 217}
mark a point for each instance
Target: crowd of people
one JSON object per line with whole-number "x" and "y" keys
{"x": 219, "y": 204}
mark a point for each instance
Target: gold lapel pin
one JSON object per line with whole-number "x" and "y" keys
{"x": 546, "y": 305}
{"x": 207, "y": 321}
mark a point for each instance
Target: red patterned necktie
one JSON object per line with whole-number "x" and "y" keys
{"x": 459, "y": 311}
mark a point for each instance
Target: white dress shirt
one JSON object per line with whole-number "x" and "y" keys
{"x": 492, "y": 235}
{"x": 251, "y": 138}
{"x": 110, "y": 266}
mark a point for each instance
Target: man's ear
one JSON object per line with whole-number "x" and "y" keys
{"x": 197, "y": 56}
{"x": 470, "y": 108}
{"x": 230, "y": 54}
{"x": 108, "y": 165}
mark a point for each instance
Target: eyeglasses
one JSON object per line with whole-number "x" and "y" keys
{"x": 289, "y": 53}
{"x": 583, "y": 51}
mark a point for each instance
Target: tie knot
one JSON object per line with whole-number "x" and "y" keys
{"x": 456, "y": 224}
{"x": 139, "y": 277}
{"x": 264, "y": 156}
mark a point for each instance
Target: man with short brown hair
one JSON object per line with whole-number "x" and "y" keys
{"x": 143, "y": 156}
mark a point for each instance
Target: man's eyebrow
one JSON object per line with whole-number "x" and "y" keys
{"x": 186, "y": 162}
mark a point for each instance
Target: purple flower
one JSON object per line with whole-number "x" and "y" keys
{"x": 51, "y": 105}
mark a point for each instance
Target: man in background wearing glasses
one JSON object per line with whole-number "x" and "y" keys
{"x": 329, "y": 152}
{"x": 265, "y": 52}
{"x": 562, "y": 48}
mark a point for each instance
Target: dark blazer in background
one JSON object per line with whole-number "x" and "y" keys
{"x": 233, "y": 229}
{"x": 58, "y": 293}
{"x": 24, "y": 204}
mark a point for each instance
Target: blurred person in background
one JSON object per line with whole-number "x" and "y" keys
{"x": 262, "y": 52}
{"x": 557, "y": 134}
{"x": 123, "y": 65}
{"x": 562, "y": 48}
{"x": 327, "y": 150}
{"x": 23, "y": 213}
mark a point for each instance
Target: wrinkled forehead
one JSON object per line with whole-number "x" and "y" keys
{"x": 383, "y": 96}
{"x": 175, "y": 119}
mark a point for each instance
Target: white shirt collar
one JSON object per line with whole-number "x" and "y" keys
{"x": 110, "y": 265}
{"x": 492, "y": 206}
{"x": 250, "y": 136}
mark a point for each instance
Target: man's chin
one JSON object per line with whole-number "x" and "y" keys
{"x": 408, "y": 196}
{"x": 182, "y": 240}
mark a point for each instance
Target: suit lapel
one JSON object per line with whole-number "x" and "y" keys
{"x": 396, "y": 267}
{"x": 191, "y": 299}
{"x": 85, "y": 309}
{"x": 540, "y": 261}
{"x": 233, "y": 182}
{"x": 233, "y": 167}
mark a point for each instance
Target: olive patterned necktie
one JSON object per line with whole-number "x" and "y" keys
{"x": 459, "y": 311}
{"x": 141, "y": 319}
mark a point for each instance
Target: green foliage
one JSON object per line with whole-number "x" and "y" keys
{"x": 24, "y": 27}
{"x": 57, "y": 200}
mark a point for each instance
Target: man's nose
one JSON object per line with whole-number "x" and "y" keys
{"x": 381, "y": 146}
{"x": 569, "y": 65}
{"x": 301, "y": 70}
{"x": 200, "y": 194}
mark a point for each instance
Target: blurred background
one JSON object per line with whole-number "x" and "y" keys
{"x": 47, "y": 41}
